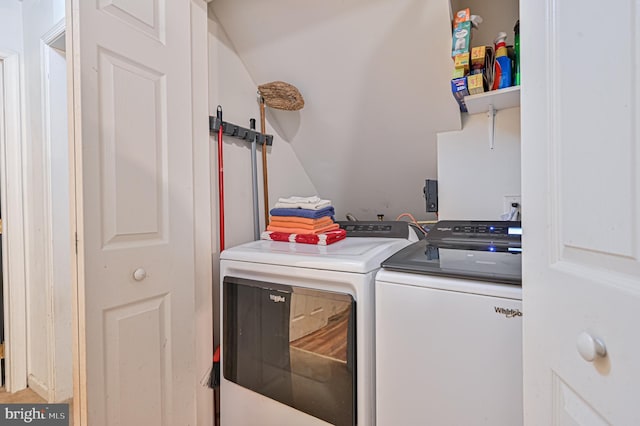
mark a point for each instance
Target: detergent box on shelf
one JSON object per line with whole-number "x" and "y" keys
{"x": 460, "y": 90}
{"x": 461, "y": 38}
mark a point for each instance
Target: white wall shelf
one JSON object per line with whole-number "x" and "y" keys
{"x": 500, "y": 99}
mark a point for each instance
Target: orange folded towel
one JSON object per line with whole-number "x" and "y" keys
{"x": 307, "y": 221}
{"x": 320, "y": 223}
{"x": 325, "y": 228}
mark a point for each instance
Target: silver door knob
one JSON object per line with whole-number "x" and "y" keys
{"x": 139, "y": 274}
{"x": 590, "y": 347}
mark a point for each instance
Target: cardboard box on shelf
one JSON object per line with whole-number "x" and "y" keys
{"x": 477, "y": 56}
{"x": 461, "y": 38}
{"x": 475, "y": 84}
{"x": 461, "y": 61}
{"x": 461, "y": 16}
{"x": 460, "y": 90}
{"x": 458, "y": 72}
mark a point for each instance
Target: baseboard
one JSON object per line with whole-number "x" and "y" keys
{"x": 38, "y": 387}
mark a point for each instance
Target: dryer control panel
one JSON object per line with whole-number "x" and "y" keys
{"x": 385, "y": 229}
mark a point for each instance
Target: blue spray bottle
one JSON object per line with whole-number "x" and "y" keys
{"x": 502, "y": 64}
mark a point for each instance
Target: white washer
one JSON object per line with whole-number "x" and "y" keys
{"x": 271, "y": 272}
{"x": 448, "y": 351}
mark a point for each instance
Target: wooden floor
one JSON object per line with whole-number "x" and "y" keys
{"x": 330, "y": 340}
{"x": 23, "y": 396}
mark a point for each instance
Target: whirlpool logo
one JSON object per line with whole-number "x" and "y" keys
{"x": 508, "y": 312}
{"x": 276, "y": 298}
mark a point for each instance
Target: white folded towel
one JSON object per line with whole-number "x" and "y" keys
{"x": 294, "y": 199}
{"x": 308, "y": 203}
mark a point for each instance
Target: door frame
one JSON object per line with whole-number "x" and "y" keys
{"x": 47, "y": 42}
{"x": 74, "y": 106}
{"x": 12, "y": 157}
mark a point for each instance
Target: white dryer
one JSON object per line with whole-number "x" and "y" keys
{"x": 297, "y": 338}
{"x": 449, "y": 329}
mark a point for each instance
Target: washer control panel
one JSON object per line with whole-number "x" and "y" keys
{"x": 476, "y": 231}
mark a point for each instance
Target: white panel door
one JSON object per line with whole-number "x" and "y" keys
{"x": 134, "y": 170}
{"x": 581, "y": 186}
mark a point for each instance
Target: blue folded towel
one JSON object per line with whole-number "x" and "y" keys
{"x": 311, "y": 214}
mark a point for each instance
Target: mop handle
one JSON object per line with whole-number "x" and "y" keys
{"x": 254, "y": 182}
{"x": 220, "y": 178}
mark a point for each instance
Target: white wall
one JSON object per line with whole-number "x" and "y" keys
{"x": 375, "y": 75}
{"x": 38, "y": 18}
{"x": 233, "y": 89}
{"x": 472, "y": 178}
{"x": 11, "y": 25}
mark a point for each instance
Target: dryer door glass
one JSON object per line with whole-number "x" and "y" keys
{"x": 293, "y": 344}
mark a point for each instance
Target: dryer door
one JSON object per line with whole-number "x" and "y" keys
{"x": 292, "y": 344}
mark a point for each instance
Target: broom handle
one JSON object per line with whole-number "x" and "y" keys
{"x": 263, "y": 129}
{"x": 220, "y": 179}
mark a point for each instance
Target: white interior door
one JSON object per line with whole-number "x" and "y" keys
{"x": 581, "y": 186}
{"x": 13, "y": 244}
{"x": 135, "y": 206}
{"x": 3, "y": 262}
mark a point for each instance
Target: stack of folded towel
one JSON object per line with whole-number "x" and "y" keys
{"x": 306, "y": 220}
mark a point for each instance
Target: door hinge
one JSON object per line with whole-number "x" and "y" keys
{"x": 76, "y": 243}
{"x": 2, "y": 350}
{"x": 0, "y": 226}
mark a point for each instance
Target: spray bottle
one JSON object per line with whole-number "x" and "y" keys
{"x": 502, "y": 64}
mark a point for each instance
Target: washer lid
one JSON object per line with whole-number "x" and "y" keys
{"x": 488, "y": 264}
{"x": 357, "y": 255}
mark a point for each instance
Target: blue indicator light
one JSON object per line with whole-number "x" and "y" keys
{"x": 491, "y": 248}
{"x": 491, "y": 228}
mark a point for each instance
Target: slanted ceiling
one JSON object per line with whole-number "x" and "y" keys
{"x": 375, "y": 78}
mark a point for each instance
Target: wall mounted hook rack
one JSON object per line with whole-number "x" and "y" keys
{"x": 233, "y": 130}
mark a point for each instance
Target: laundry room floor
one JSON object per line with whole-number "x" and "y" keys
{"x": 23, "y": 396}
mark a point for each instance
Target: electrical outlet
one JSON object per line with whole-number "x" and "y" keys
{"x": 510, "y": 199}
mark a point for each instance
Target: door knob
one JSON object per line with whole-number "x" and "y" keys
{"x": 590, "y": 347}
{"x": 139, "y": 274}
